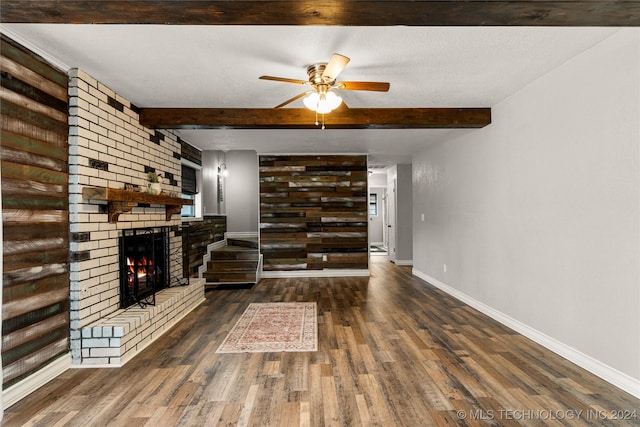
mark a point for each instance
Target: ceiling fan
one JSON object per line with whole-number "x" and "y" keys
{"x": 322, "y": 97}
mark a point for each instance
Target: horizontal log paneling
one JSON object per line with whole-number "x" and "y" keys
{"x": 197, "y": 237}
{"x": 35, "y": 212}
{"x": 23, "y": 216}
{"x": 32, "y": 78}
{"x": 24, "y": 335}
{"x": 313, "y": 212}
{"x": 190, "y": 153}
{"x": 35, "y": 66}
{"x": 27, "y": 144}
{"x": 22, "y": 368}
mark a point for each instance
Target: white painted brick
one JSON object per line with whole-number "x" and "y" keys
{"x": 98, "y": 271}
{"x": 95, "y": 342}
{"x": 116, "y": 120}
{"x": 99, "y": 307}
{"x": 97, "y": 129}
{"x": 104, "y": 89}
{"x": 94, "y": 91}
{"x": 95, "y": 360}
{"x": 97, "y": 253}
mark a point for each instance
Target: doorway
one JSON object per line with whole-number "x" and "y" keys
{"x": 391, "y": 220}
{"x": 377, "y": 220}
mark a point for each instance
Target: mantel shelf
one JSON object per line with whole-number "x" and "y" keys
{"x": 124, "y": 200}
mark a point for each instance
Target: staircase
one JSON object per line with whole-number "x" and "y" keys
{"x": 237, "y": 264}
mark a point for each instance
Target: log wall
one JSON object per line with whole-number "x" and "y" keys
{"x": 35, "y": 211}
{"x": 313, "y": 212}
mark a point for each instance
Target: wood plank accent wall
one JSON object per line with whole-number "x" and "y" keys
{"x": 313, "y": 212}
{"x": 196, "y": 236}
{"x": 35, "y": 211}
{"x": 189, "y": 152}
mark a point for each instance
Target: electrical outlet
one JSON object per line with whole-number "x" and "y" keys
{"x": 324, "y": 257}
{"x": 422, "y": 217}
{"x": 444, "y": 267}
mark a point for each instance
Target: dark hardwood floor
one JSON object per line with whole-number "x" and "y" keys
{"x": 392, "y": 351}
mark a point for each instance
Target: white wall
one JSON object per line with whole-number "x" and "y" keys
{"x": 243, "y": 191}
{"x": 377, "y": 179}
{"x": 211, "y": 159}
{"x": 403, "y": 212}
{"x": 537, "y": 216}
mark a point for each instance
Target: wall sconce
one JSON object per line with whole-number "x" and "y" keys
{"x": 223, "y": 171}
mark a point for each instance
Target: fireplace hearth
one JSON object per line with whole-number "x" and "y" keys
{"x": 144, "y": 265}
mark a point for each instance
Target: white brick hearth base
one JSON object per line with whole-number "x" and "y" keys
{"x": 113, "y": 340}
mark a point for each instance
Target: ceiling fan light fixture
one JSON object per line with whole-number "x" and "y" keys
{"x": 312, "y": 100}
{"x": 322, "y": 103}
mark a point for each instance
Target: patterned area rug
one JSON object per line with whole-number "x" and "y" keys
{"x": 274, "y": 327}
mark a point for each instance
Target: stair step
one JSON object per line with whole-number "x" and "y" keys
{"x": 244, "y": 242}
{"x": 226, "y": 276}
{"x": 232, "y": 265}
{"x": 234, "y": 255}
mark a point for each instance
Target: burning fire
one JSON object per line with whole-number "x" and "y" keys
{"x": 142, "y": 269}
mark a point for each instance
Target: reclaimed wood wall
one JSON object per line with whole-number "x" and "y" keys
{"x": 35, "y": 212}
{"x": 196, "y": 236}
{"x": 313, "y": 212}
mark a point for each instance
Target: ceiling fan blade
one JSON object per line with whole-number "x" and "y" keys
{"x": 334, "y": 67}
{"x": 342, "y": 107}
{"x": 289, "y": 101}
{"x": 374, "y": 86}
{"x": 284, "y": 79}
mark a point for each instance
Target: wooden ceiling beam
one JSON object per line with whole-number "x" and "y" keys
{"x": 327, "y": 12}
{"x": 301, "y": 118}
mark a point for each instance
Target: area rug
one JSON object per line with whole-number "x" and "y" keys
{"x": 274, "y": 327}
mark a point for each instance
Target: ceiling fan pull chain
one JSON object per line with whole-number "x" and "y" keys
{"x": 317, "y": 118}
{"x": 322, "y": 121}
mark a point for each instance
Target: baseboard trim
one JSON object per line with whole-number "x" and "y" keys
{"x": 314, "y": 273}
{"x": 403, "y": 262}
{"x": 611, "y": 375}
{"x": 33, "y": 382}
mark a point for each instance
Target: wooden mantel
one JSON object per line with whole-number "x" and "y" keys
{"x": 124, "y": 200}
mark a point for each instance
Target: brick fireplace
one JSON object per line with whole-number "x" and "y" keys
{"x": 144, "y": 265}
{"x": 109, "y": 149}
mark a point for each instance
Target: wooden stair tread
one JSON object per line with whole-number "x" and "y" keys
{"x": 245, "y": 242}
{"x": 235, "y": 263}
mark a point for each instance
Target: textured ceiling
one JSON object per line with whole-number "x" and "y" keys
{"x": 218, "y": 66}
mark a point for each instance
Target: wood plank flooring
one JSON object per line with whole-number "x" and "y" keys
{"x": 393, "y": 351}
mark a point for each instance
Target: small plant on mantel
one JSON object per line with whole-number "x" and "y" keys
{"x": 155, "y": 179}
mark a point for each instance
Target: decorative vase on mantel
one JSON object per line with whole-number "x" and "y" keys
{"x": 154, "y": 188}
{"x": 155, "y": 181}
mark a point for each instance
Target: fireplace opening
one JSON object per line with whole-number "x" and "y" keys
{"x": 144, "y": 265}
